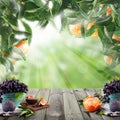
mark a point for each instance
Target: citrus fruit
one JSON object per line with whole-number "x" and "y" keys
{"x": 109, "y": 11}
{"x": 91, "y": 103}
{"x": 75, "y": 29}
{"x": 23, "y": 46}
{"x": 115, "y": 37}
{"x": 108, "y": 59}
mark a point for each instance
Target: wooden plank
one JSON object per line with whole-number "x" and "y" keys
{"x": 63, "y": 105}
{"x": 93, "y": 115}
{"x": 71, "y": 108}
{"x": 80, "y": 94}
{"x": 55, "y": 111}
{"x": 32, "y": 92}
{"x": 3, "y": 118}
{"x": 40, "y": 114}
{"x": 15, "y": 118}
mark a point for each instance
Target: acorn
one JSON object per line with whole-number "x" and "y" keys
{"x": 115, "y": 106}
{"x": 8, "y": 106}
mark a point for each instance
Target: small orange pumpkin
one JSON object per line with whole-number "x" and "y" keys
{"x": 91, "y": 103}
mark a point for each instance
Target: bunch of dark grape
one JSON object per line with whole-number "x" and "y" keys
{"x": 110, "y": 88}
{"x": 13, "y": 85}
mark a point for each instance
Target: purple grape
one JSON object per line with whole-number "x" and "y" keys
{"x": 110, "y": 88}
{"x": 8, "y": 86}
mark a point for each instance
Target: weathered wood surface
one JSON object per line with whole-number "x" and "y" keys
{"x": 63, "y": 105}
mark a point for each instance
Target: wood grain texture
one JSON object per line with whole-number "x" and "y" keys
{"x": 3, "y": 118}
{"x": 63, "y": 105}
{"x": 93, "y": 115}
{"x": 56, "y": 110}
{"x": 32, "y": 92}
{"x": 40, "y": 114}
{"x": 71, "y": 108}
{"x": 80, "y": 94}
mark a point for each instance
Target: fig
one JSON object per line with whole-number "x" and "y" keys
{"x": 31, "y": 100}
{"x": 8, "y": 106}
{"x": 42, "y": 101}
{"x": 115, "y": 106}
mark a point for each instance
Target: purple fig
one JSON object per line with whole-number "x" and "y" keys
{"x": 8, "y": 106}
{"x": 115, "y": 106}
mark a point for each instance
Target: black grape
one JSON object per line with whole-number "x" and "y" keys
{"x": 110, "y": 88}
{"x": 13, "y": 85}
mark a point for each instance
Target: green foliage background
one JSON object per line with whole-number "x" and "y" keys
{"x": 67, "y": 62}
{"x": 72, "y": 12}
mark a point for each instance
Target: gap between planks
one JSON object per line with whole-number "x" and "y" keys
{"x": 63, "y": 105}
{"x": 71, "y": 108}
{"x": 56, "y": 110}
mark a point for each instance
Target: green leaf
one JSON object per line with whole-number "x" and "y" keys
{"x": 26, "y": 112}
{"x": 30, "y": 6}
{"x": 23, "y": 113}
{"x": 23, "y": 107}
{"x": 83, "y": 14}
{"x": 12, "y": 20}
{"x": 56, "y": 6}
{"x": 118, "y": 20}
{"x": 43, "y": 23}
{"x": 64, "y": 21}
{"x": 103, "y": 10}
{"x": 11, "y": 40}
{"x": 19, "y": 95}
{"x": 80, "y": 102}
{"x": 38, "y": 3}
{"x": 19, "y": 52}
{"x": 5, "y": 2}
{"x": 2, "y": 59}
{"x": 107, "y": 35}
{"x": 103, "y": 19}
{"x": 90, "y": 31}
{"x": 11, "y": 66}
{"x": 83, "y": 31}
{"x": 95, "y": 3}
{"x": 4, "y": 32}
{"x": 110, "y": 1}
{"x": 100, "y": 112}
{"x": 113, "y": 9}
{"x": 28, "y": 30}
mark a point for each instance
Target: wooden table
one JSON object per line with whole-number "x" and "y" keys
{"x": 63, "y": 105}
